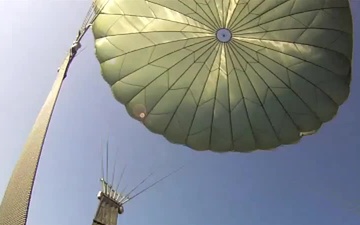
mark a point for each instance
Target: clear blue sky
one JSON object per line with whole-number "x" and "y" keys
{"x": 315, "y": 182}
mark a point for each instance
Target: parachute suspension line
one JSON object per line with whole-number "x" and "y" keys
{"x": 152, "y": 185}
{"x": 104, "y": 189}
{"x": 81, "y": 51}
{"x": 107, "y": 166}
{"x": 111, "y": 189}
{"x": 114, "y": 168}
{"x": 93, "y": 12}
{"x": 121, "y": 176}
{"x": 124, "y": 189}
{"x": 89, "y": 15}
{"x": 102, "y": 161}
{"x": 132, "y": 190}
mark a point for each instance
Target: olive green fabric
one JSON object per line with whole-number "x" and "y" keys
{"x": 284, "y": 72}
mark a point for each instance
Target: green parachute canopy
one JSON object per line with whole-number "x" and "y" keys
{"x": 229, "y": 75}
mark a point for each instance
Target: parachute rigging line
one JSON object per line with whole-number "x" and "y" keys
{"x": 121, "y": 176}
{"x": 132, "y": 190}
{"x": 114, "y": 168}
{"x": 93, "y": 13}
{"x": 153, "y": 184}
{"x": 90, "y": 17}
{"x": 107, "y": 160}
